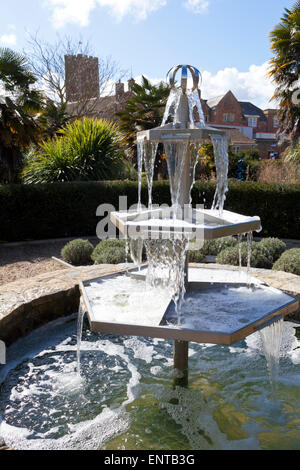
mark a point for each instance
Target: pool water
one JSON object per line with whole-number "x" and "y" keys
{"x": 126, "y": 398}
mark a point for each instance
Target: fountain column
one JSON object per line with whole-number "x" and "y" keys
{"x": 181, "y": 362}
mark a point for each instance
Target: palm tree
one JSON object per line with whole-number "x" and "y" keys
{"x": 54, "y": 118}
{"x": 285, "y": 71}
{"x": 142, "y": 111}
{"x": 20, "y": 104}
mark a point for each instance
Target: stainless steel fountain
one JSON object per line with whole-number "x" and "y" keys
{"x": 173, "y": 307}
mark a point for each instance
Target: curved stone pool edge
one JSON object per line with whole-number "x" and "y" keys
{"x": 30, "y": 303}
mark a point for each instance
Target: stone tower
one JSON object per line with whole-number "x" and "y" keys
{"x": 82, "y": 77}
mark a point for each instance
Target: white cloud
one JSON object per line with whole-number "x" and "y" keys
{"x": 139, "y": 9}
{"x": 71, "y": 11}
{"x": 197, "y": 6}
{"x": 252, "y": 85}
{"x": 8, "y": 39}
{"x": 78, "y": 11}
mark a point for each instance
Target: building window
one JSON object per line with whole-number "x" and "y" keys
{"x": 275, "y": 122}
{"x": 252, "y": 122}
{"x": 228, "y": 117}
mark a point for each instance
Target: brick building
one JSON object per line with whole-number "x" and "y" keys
{"x": 251, "y": 127}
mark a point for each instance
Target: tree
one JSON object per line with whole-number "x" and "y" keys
{"x": 285, "y": 71}
{"x": 53, "y": 118}
{"x": 47, "y": 61}
{"x": 142, "y": 111}
{"x": 20, "y": 103}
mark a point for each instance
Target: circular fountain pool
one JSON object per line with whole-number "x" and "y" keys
{"x": 125, "y": 398}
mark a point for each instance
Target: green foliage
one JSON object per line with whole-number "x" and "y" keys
{"x": 289, "y": 262}
{"x": 214, "y": 247}
{"x": 77, "y": 252}
{"x": 211, "y": 248}
{"x": 86, "y": 150}
{"x": 263, "y": 253}
{"x": 274, "y": 247}
{"x": 249, "y": 155}
{"x": 196, "y": 256}
{"x": 54, "y": 118}
{"x": 285, "y": 70}
{"x": 110, "y": 251}
{"x": 259, "y": 256}
{"x": 293, "y": 155}
{"x": 69, "y": 209}
{"x": 143, "y": 110}
{"x": 18, "y": 110}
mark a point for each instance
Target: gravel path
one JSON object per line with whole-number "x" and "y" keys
{"x": 24, "y": 260}
{"x": 19, "y": 262}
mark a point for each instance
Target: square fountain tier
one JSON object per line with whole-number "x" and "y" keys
{"x": 220, "y": 312}
{"x": 201, "y": 224}
{"x": 171, "y": 133}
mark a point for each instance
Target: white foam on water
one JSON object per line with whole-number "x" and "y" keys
{"x": 139, "y": 349}
{"x": 57, "y": 379}
{"x": 89, "y": 435}
{"x": 228, "y": 391}
{"x": 128, "y": 301}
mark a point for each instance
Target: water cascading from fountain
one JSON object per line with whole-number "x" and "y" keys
{"x": 249, "y": 251}
{"x": 146, "y": 154}
{"x": 240, "y": 238}
{"x": 175, "y": 154}
{"x": 195, "y": 103}
{"x": 136, "y": 251}
{"x": 271, "y": 340}
{"x": 140, "y": 152}
{"x": 194, "y": 153}
{"x": 171, "y": 106}
{"x": 166, "y": 263}
{"x": 220, "y": 145}
{"x": 81, "y": 313}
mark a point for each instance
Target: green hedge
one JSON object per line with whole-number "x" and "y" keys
{"x": 58, "y": 210}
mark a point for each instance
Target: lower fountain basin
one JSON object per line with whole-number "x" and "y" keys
{"x": 222, "y": 312}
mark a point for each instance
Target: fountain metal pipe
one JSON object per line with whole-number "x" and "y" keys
{"x": 181, "y": 362}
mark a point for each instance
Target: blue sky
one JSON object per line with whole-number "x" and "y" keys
{"x": 226, "y": 39}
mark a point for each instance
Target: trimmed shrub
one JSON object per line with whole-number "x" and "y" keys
{"x": 77, "y": 252}
{"x": 259, "y": 256}
{"x": 196, "y": 256}
{"x": 274, "y": 247}
{"x": 111, "y": 251}
{"x": 289, "y": 262}
{"x": 214, "y": 247}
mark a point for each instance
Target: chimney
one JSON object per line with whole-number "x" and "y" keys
{"x": 131, "y": 82}
{"x": 120, "y": 90}
{"x": 82, "y": 77}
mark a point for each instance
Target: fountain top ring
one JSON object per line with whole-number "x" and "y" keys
{"x": 196, "y": 76}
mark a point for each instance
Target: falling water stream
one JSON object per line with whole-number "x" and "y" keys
{"x": 271, "y": 339}
{"x": 220, "y": 145}
{"x": 136, "y": 251}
